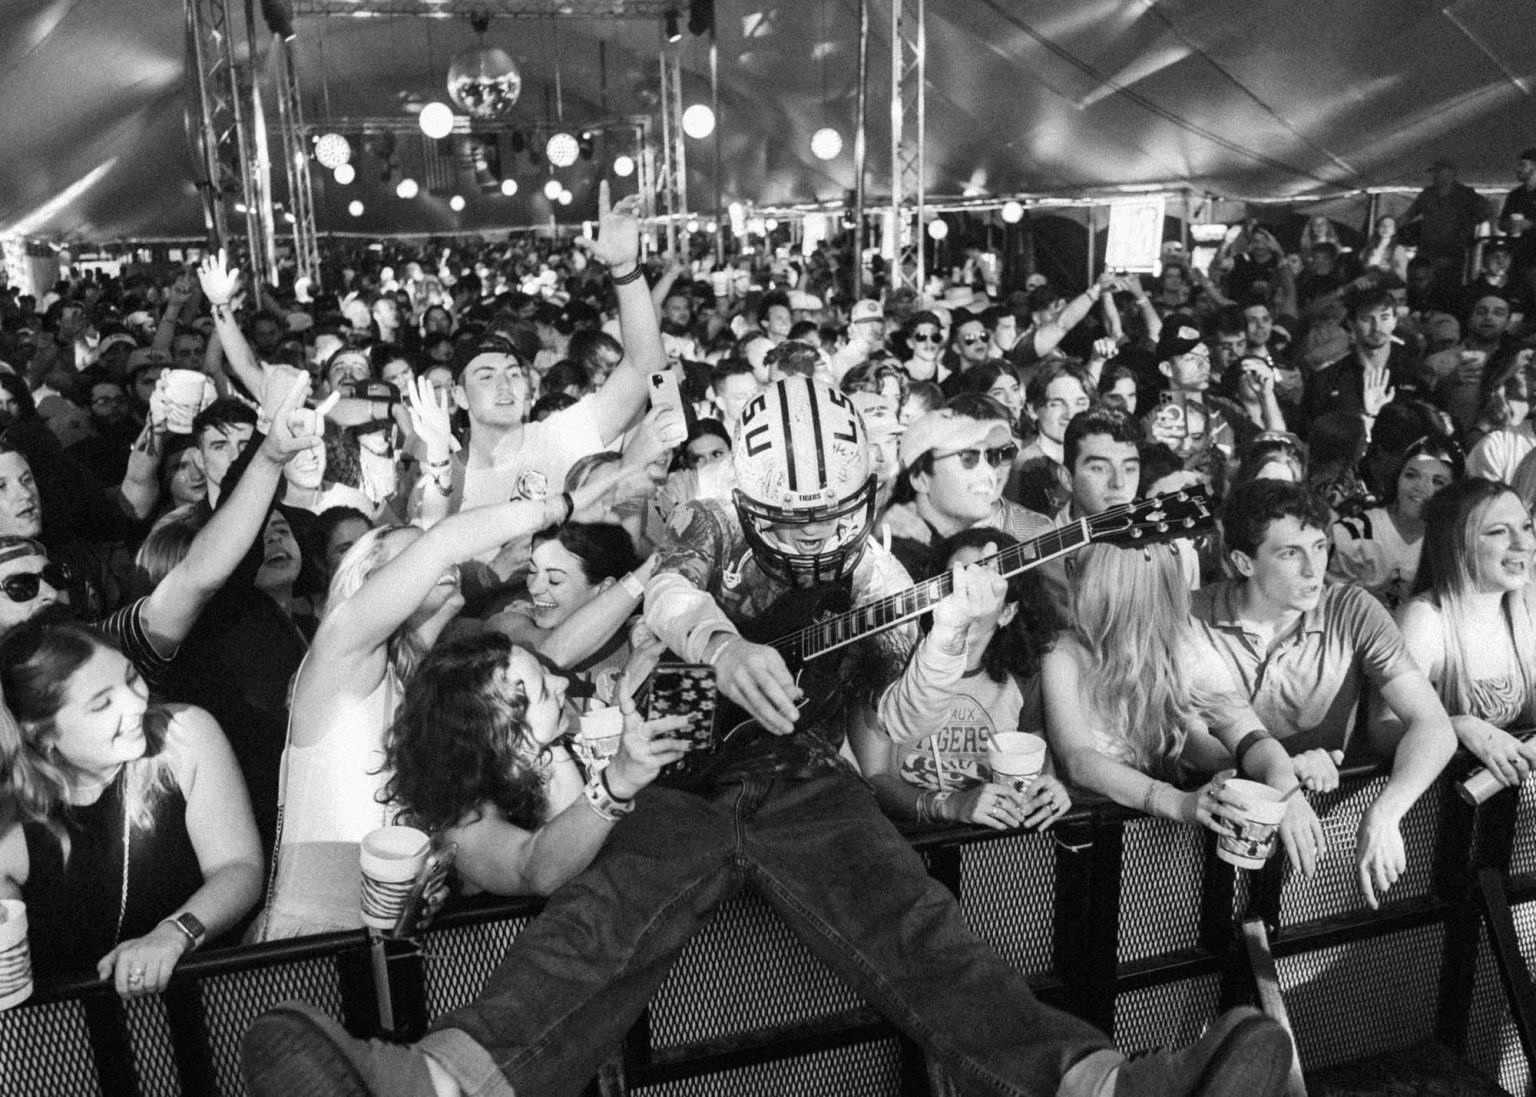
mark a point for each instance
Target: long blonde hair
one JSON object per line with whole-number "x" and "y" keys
{"x": 1130, "y": 610}
{"x": 366, "y": 556}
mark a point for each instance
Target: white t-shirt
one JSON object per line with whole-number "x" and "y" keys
{"x": 538, "y": 467}
{"x": 1498, "y": 454}
{"x": 1369, "y": 552}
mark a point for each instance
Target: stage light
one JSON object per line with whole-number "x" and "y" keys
{"x": 552, "y": 189}
{"x": 345, "y": 173}
{"x": 436, "y": 120}
{"x": 509, "y": 187}
{"x": 1013, "y": 212}
{"x": 332, "y": 150}
{"x": 456, "y": 203}
{"x": 562, "y": 150}
{"x": 355, "y": 208}
{"x": 674, "y": 31}
{"x": 623, "y": 166}
{"x": 698, "y": 121}
{"x": 826, "y": 144}
{"x": 407, "y": 189}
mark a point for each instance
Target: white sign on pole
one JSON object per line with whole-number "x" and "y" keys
{"x": 1135, "y": 234}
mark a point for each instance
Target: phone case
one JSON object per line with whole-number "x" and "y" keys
{"x": 686, "y": 689}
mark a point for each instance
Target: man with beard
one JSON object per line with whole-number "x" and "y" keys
{"x": 1341, "y": 384}
{"x": 1457, "y": 372}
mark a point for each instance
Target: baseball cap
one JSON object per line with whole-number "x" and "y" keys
{"x": 866, "y": 310}
{"x": 1180, "y": 335}
{"x": 1035, "y": 281}
{"x": 878, "y": 413}
{"x": 944, "y": 429}
{"x": 800, "y": 301}
{"x": 145, "y": 357}
{"x": 118, "y": 338}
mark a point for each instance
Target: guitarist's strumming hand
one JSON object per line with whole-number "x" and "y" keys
{"x": 755, "y": 677}
{"x": 978, "y": 590}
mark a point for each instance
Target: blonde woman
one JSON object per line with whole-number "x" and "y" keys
{"x": 1136, "y": 706}
{"x": 1470, "y": 626}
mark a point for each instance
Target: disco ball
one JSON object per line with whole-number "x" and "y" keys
{"x": 562, "y": 150}
{"x": 826, "y": 144}
{"x": 484, "y": 82}
{"x": 332, "y": 151}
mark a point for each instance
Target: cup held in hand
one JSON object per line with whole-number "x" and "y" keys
{"x": 1015, "y": 759}
{"x": 597, "y": 738}
{"x": 15, "y": 958}
{"x": 1257, "y": 832}
{"x": 184, "y": 398}
{"x": 390, "y": 858}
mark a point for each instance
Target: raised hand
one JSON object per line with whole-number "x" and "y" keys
{"x": 430, "y": 420}
{"x": 1377, "y": 391}
{"x": 618, "y": 231}
{"x": 294, "y": 428}
{"x": 218, "y": 281}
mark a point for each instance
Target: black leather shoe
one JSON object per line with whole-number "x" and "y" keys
{"x": 296, "y": 1050}
{"x": 1243, "y": 1054}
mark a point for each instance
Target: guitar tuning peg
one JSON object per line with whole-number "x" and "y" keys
{"x": 1162, "y": 527}
{"x": 1146, "y": 553}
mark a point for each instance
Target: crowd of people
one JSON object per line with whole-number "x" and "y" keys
{"x": 427, "y": 526}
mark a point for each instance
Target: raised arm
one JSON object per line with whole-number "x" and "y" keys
{"x": 1049, "y": 336}
{"x": 622, "y": 399}
{"x": 220, "y": 285}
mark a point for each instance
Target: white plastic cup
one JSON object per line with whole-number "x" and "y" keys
{"x": 15, "y": 957}
{"x": 1016, "y": 759}
{"x": 597, "y": 736}
{"x": 184, "y": 399}
{"x": 1256, "y": 837}
{"x": 390, "y": 858}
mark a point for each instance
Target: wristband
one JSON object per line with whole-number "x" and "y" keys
{"x": 1147, "y": 800}
{"x": 1247, "y": 743}
{"x": 632, "y": 586}
{"x": 713, "y": 649}
{"x": 603, "y": 802}
{"x": 625, "y": 279}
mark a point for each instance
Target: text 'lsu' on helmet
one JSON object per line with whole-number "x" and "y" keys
{"x": 802, "y": 460}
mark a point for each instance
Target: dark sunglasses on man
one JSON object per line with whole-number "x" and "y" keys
{"x": 22, "y": 586}
{"x": 927, "y": 337}
{"x": 997, "y": 456}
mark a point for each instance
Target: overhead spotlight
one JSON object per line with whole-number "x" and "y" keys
{"x": 436, "y": 120}
{"x": 584, "y": 146}
{"x": 553, "y": 188}
{"x": 1013, "y": 212}
{"x": 565, "y": 197}
{"x": 562, "y": 150}
{"x": 826, "y": 143}
{"x": 509, "y": 187}
{"x": 345, "y": 173}
{"x": 938, "y": 228}
{"x": 355, "y": 208}
{"x": 623, "y": 166}
{"x": 407, "y": 189}
{"x": 698, "y": 121}
{"x": 456, "y": 203}
{"x": 332, "y": 150}
{"x": 671, "y": 26}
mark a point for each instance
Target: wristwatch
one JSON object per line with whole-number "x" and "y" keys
{"x": 189, "y": 924}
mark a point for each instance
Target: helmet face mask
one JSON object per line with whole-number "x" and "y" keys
{"x": 802, "y": 459}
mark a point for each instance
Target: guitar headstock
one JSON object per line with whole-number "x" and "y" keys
{"x": 1181, "y": 513}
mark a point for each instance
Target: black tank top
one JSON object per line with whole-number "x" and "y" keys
{"x": 73, "y": 909}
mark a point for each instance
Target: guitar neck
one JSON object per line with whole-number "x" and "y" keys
{"x": 827, "y": 635}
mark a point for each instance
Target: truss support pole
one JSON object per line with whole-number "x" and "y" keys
{"x": 296, "y": 159}
{"x": 674, "y": 166}
{"x": 908, "y": 133}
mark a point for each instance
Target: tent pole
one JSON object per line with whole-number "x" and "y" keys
{"x": 859, "y": 151}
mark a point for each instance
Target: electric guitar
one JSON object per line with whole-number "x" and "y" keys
{"x": 806, "y": 626}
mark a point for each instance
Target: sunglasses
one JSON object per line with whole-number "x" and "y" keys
{"x": 23, "y": 586}
{"x": 974, "y": 339}
{"x": 997, "y": 456}
{"x": 927, "y": 337}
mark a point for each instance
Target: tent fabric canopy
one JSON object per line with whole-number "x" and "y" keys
{"x": 1262, "y": 99}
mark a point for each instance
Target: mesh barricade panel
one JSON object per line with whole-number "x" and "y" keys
{"x": 1493, "y": 1043}
{"x": 45, "y": 1051}
{"x": 1160, "y": 881}
{"x": 1335, "y": 889}
{"x": 1172, "y": 1015}
{"x": 1522, "y": 857}
{"x": 861, "y": 1070}
{"x": 1008, "y": 893}
{"x": 773, "y": 979}
{"x": 1350, "y": 1001}
{"x": 458, "y": 961}
{"x": 231, "y": 1002}
{"x": 154, "y": 1059}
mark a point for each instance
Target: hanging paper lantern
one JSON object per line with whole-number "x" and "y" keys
{"x": 345, "y": 173}
{"x": 436, "y": 120}
{"x": 509, "y": 187}
{"x": 562, "y": 150}
{"x": 826, "y": 144}
{"x": 407, "y": 189}
{"x": 565, "y": 198}
{"x": 553, "y": 188}
{"x": 623, "y": 166}
{"x": 1013, "y": 212}
{"x": 938, "y": 228}
{"x": 355, "y": 208}
{"x": 456, "y": 203}
{"x": 484, "y": 82}
{"x": 332, "y": 150}
{"x": 698, "y": 121}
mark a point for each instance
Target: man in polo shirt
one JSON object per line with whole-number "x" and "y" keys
{"x": 1304, "y": 651}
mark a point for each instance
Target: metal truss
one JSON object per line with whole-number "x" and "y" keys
{"x": 296, "y": 157}
{"x": 908, "y": 133}
{"x": 501, "y": 9}
{"x": 672, "y": 179}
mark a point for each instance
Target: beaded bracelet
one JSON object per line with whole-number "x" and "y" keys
{"x": 625, "y": 279}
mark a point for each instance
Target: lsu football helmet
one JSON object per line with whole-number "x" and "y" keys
{"x": 801, "y": 459}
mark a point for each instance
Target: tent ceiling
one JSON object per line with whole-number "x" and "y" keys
{"x": 1255, "y": 98}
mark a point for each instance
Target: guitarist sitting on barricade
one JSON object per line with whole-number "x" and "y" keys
{"x": 775, "y": 808}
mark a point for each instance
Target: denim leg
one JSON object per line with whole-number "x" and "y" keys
{"x": 579, "y": 974}
{"x": 852, "y": 888}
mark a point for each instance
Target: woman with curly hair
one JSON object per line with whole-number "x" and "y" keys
{"x": 476, "y": 759}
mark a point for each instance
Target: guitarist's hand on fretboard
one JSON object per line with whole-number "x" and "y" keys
{"x": 755, "y": 677}
{"x": 979, "y": 591}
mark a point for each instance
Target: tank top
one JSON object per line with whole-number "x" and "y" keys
{"x": 81, "y": 900}
{"x": 1500, "y": 701}
{"x": 329, "y": 802}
